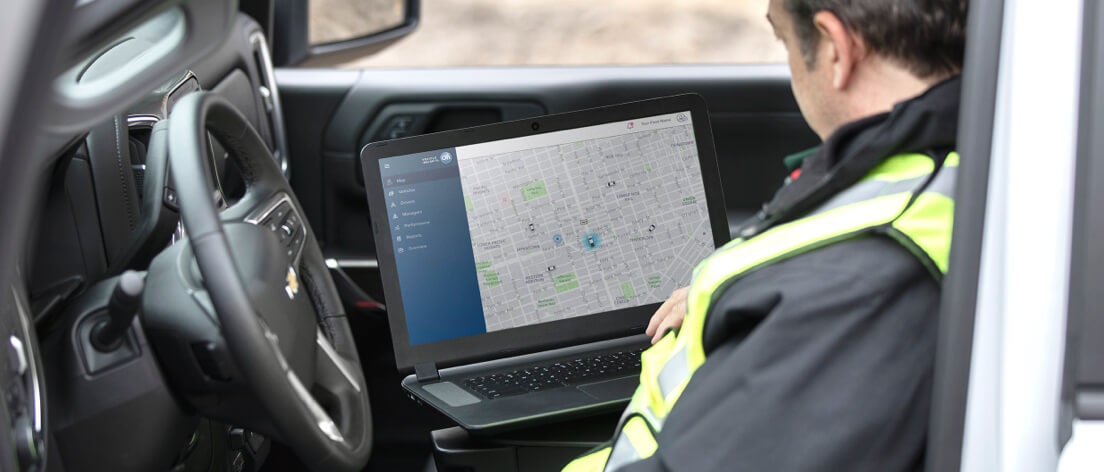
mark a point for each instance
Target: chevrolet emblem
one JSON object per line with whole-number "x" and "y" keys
{"x": 292, "y": 287}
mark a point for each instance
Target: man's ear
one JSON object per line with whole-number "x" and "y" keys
{"x": 844, "y": 50}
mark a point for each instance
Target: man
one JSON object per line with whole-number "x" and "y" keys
{"x": 808, "y": 343}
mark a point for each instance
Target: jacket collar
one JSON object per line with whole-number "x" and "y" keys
{"x": 925, "y": 124}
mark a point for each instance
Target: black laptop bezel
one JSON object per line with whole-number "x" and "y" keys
{"x": 542, "y": 336}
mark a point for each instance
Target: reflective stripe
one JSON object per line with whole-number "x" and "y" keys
{"x": 868, "y": 189}
{"x": 635, "y": 442}
{"x": 623, "y": 453}
{"x": 639, "y": 408}
{"x": 951, "y": 160}
{"x": 903, "y": 166}
{"x": 593, "y": 462}
{"x": 944, "y": 182}
{"x": 674, "y": 372}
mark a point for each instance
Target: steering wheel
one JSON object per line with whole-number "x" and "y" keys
{"x": 276, "y": 355}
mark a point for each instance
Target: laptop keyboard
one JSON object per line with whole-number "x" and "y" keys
{"x": 556, "y": 374}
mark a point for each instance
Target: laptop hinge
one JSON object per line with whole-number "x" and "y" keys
{"x": 426, "y": 372}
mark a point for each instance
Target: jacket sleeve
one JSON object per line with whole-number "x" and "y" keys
{"x": 819, "y": 363}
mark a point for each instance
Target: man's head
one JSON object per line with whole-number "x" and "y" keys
{"x": 854, "y": 58}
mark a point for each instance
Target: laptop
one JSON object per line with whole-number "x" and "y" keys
{"x": 521, "y": 261}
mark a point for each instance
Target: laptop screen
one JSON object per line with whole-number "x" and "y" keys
{"x": 534, "y": 229}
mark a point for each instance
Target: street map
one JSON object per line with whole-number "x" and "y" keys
{"x": 575, "y": 229}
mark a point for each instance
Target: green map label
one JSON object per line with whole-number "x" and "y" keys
{"x": 627, "y": 290}
{"x": 654, "y": 281}
{"x": 533, "y": 190}
{"x": 565, "y": 282}
{"x": 491, "y": 279}
{"x": 546, "y": 302}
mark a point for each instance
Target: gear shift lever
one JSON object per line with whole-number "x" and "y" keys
{"x": 108, "y": 335}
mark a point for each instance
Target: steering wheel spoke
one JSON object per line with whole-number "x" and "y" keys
{"x": 332, "y": 371}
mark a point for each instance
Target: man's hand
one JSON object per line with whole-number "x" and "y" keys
{"x": 669, "y": 315}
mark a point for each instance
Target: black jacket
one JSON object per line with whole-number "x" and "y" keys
{"x": 822, "y": 362}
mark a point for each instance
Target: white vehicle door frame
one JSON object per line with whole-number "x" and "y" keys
{"x": 1013, "y": 397}
{"x": 1081, "y": 428}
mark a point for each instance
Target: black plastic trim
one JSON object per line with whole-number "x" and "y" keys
{"x": 960, "y": 287}
{"x": 1083, "y": 371}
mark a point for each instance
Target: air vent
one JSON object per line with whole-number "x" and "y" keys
{"x": 138, "y": 136}
{"x": 270, "y": 99}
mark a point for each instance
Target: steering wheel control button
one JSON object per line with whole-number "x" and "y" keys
{"x": 297, "y": 240}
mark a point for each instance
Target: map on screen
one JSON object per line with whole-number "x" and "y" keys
{"x": 584, "y": 221}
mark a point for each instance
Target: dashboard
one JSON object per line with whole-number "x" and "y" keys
{"x": 110, "y": 206}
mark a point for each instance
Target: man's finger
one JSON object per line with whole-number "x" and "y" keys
{"x": 657, "y": 318}
{"x": 671, "y": 322}
{"x": 659, "y": 315}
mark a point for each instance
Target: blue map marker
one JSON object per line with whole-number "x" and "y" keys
{"x": 591, "y": 241}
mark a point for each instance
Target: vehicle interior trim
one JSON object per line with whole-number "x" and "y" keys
{"x": 271, "y": 97}
{"x": 946, "y": 428}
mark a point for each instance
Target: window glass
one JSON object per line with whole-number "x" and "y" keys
{"x": 582, "y": 32}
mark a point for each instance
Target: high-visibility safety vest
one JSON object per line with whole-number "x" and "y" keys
{"x": 907, "y": 197}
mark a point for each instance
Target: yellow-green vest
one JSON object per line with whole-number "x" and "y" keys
{"x": 906, "y": 197}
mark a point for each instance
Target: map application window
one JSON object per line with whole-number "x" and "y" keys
{"x": 547, "y": 227}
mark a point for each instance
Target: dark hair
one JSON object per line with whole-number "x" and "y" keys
{"x": 928, "y": 37}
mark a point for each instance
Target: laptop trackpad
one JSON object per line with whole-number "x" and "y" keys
{"x": 451, "y": 394}
{"x": 611, "y": 389}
